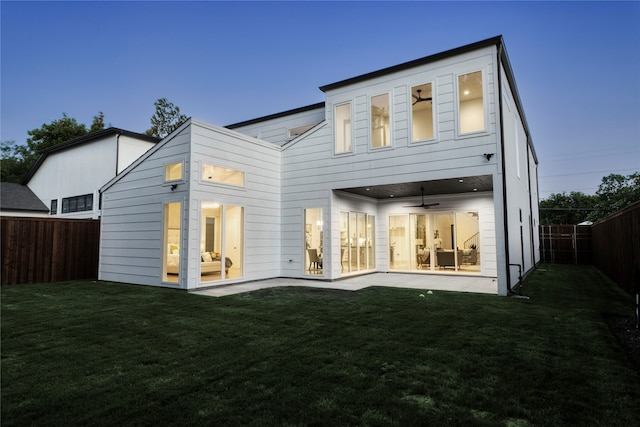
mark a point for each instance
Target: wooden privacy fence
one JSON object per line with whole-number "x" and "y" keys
{"x": 38, "y": 250}
{"x": 616, "y": 247}
{"x": 566, "y": 244}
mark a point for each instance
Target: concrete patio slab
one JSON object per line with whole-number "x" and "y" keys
{"x": 485, "y": 285}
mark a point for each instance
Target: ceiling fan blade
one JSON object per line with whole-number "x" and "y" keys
{"x": 428, "y": 206}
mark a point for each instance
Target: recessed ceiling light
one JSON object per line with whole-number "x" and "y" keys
{"x": 475, "y": 189}
{"x": 461, "y": 180}
{"x": 390, "y": 195}
{"x": 367, "y": 189}
{"x": 466, "y": 92}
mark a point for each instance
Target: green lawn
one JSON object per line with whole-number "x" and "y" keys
{"x": 86, "y": 353}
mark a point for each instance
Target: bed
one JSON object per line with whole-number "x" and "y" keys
{"x": 210, "y": 262}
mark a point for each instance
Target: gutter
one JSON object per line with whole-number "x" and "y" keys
{"x": 504, "y": 178}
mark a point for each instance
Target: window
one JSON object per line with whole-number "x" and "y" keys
{"x": 54, "y": 207}
{"x": 421, "y": 112}
{"x": 76, "y": 204}
{"x": 313, "y": 227}
{"x": 173, "y": 172}
{"x": 172, "y": 241}
{"x": 223, "y": 175}
{"x": 294, "y": 132}
{"x": 380, "y": 129}
{"x": 470, "y": 103}
{"x": 343, "y": 128}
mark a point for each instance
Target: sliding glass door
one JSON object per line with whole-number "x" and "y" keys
{"x": 357, "y": 242}
{"x": 446, "y": 241}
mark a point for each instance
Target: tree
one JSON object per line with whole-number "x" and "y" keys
{"x": 17, "y": 159}
{"x": 13, "y": 164}
{"x": 54, "y": 133}
{"x": 166, "y": 119}
{"x": 563, "y": 208}
{"x": 98, "y": 123}
{"x": 616, "y": 192}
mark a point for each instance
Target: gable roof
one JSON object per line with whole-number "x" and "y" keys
{"x": 18, "y": 197}
{"x": 83, "y": 140}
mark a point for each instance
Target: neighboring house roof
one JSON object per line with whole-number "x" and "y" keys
{"x": 83, "y": 140}
{"x": 18, "y": 197}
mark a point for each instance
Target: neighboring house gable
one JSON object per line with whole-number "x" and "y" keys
{"x": 67, "y": 177}
{"x": 19, "y": 200}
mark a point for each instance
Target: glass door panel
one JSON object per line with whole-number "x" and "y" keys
{"x": 444, "y": 241}
{"x": 399, "y": 242}
{"x": 468, "y": 240}
{"x": 371, "y": 244}
{"x": 233, "y": 241}
{"x": 313, "y": 233}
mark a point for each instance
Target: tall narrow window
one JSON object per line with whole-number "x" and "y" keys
{"x": 343, "y": 128}
{"x": 470, "y": 103}
{"x": 313, "y": 240}
{"x": 171, "y": 264}
{"x": 380, "y": 129}
{"x": 421, "y": 112}
{"x": 54, "y": 207}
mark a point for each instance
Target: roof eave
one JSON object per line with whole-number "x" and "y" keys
{"x": 417, "y": 62}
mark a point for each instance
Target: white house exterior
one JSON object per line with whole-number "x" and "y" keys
{"x": 67, "y": 177}
{"x": 426, "y": 167}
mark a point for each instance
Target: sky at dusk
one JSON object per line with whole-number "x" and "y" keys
{"x": 576, "y": 64}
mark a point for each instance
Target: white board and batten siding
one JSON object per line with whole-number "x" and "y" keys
{"x": 132, "y": 235}
{"x": 261, "y": 164}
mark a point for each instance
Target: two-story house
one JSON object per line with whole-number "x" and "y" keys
{"x": 67, "y": 177}
{"x": 426, "y": 167}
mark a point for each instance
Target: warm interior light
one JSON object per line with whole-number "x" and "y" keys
{"x": 466, "y": 92}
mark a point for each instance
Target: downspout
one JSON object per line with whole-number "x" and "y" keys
{"x": 503, "y": 165}
{"x": 531, "y": 230}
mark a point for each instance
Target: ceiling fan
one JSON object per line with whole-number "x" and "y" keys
{"x": 419, "y": 98}
{"x": 423, "y": 205}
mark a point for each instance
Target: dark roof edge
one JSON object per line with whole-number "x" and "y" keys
{"x": 82, "y": 140}
{"x": 504, "y": 58}
{"x": 99, "y": 134}
{"x": 416, "y": 62}
{"x": 276, "y": 115}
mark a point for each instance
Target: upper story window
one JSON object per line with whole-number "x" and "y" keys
{"x": 470, "y": 103}
{"x": 223, "y": 175}
{"x": 421, "y": 112}
{"x": 342, "y": 118}
{"x": 173, "y": 172}
{"x": 294, "y": 132}
{"x": 77, "y": 203}
{"x": 54, "y": 207}
{"x": 380, "y": 126}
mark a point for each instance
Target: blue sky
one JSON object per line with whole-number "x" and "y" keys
{"x": 577, "y": 65}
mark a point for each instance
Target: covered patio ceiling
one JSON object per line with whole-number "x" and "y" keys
{"x": 463, "y": 184}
